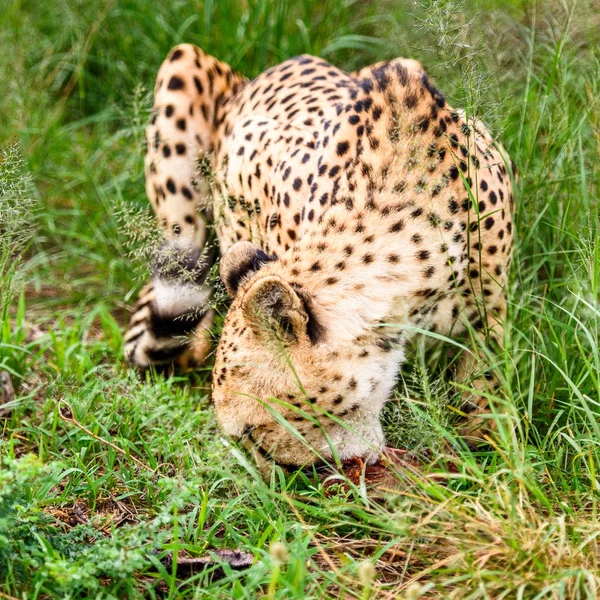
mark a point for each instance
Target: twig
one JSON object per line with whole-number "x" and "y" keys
{"x": 69, "y": 416}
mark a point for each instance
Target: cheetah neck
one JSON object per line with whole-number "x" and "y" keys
{"x": 357, "y": 274}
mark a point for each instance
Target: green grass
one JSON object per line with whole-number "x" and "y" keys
{"x": 89, "y": 505}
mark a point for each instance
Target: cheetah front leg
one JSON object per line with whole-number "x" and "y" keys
{"x": 477, "y": 417}
{"x": 172, "y": 319}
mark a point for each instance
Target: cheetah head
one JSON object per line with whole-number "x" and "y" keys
{"x": 283, "y": 382}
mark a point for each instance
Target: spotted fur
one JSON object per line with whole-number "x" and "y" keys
{"x": 351, "y": 210}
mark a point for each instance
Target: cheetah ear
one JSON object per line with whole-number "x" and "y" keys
{"x": 240, "y": 262}
{"x": 274, "y": 310}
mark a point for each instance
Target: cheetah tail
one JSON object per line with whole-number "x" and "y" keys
{"x": 171, "y": 308}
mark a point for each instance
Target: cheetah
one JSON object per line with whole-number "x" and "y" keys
{"x": 353, "y": 211}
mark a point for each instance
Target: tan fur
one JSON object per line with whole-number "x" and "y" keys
{"x": 361, "y": 200}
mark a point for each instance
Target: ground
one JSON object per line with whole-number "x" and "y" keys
{"x": 105, "y": 473}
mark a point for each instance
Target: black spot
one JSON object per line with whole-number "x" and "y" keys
{"x": 410, "y": 101}
{"x": 434, "y": 219}
{"x": 171, "y": 186}
{"x": 297, "y": 183}
{"x": 166, "y": 151}
{"x": 342, "y": 148}
{"x": 169, "y": 110}
{"x": 176, "y": 55}
{"x": 489, "y": 223}
{"x": 399, "y": 187}
{"x": 478, "y": 325}
{"x": 176, "y": 83}
{"x": 396, "y": 227}
{"x": 186, "y": 192}
{"x": 180, "y": 124}
{"x": 180, "y": 149}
